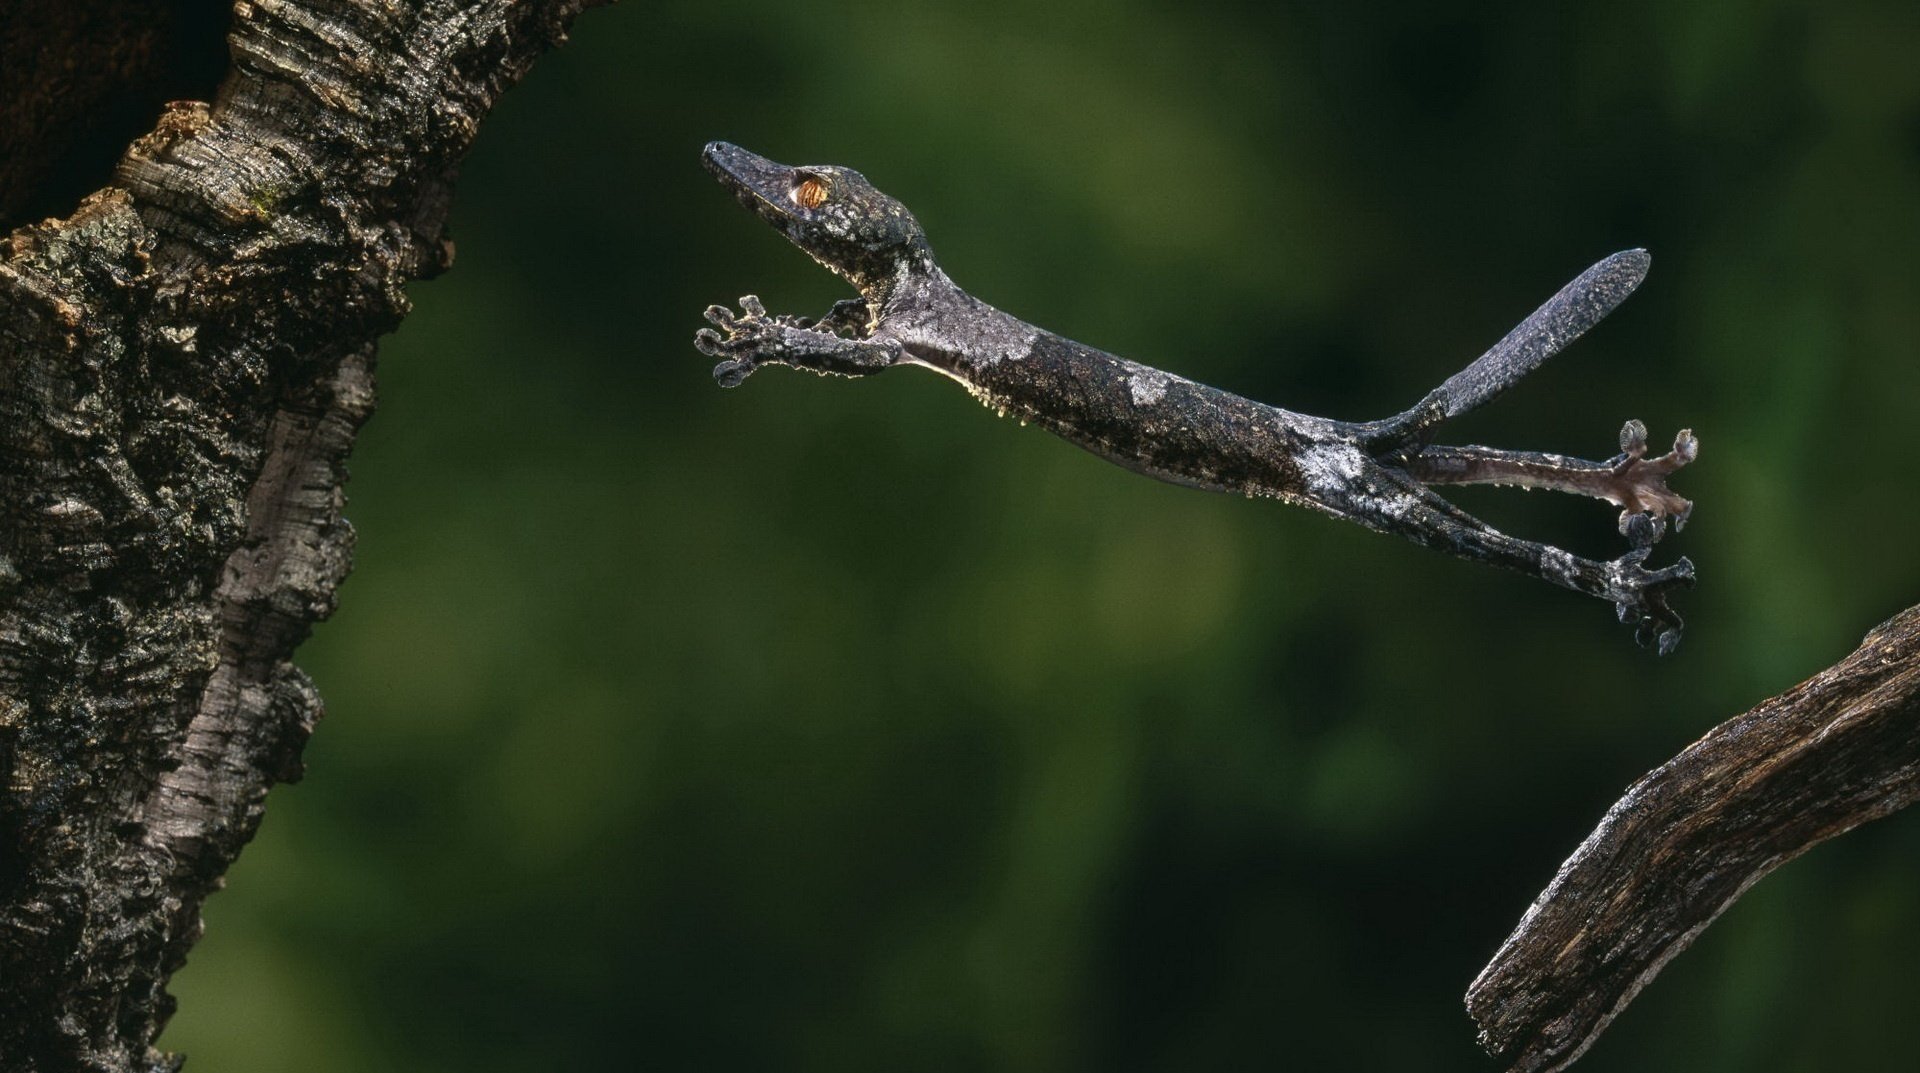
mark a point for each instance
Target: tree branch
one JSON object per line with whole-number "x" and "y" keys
{"x": 183, "y": 365}
{"x": 1687, "y": 840}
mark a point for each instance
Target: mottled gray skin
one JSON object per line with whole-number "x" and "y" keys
{"x": 1166, "y": 426}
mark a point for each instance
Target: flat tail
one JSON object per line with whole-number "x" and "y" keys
{"x": 1565, "y": 317}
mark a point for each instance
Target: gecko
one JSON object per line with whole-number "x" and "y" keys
{"x": 1380, "y": 474}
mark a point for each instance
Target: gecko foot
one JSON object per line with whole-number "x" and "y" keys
{"x": 1639, "y": 484}
{"x": 751, "y": 339}
{"x": 1639, "y": 595}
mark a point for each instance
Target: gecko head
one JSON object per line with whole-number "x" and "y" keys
{"x": 832, "y": 213}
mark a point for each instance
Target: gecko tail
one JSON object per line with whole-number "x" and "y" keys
{"x": 1563, "y": 318}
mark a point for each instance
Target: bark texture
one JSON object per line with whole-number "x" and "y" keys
{"x": 183, "y": 364}
{"x": 1687, "y": 840}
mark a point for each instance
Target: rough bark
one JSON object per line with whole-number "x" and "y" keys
{"x": 1687, "y": 840}
{"x": 183, "y": 364}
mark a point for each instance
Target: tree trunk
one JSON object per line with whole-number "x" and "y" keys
{"x": 184, "y": 362}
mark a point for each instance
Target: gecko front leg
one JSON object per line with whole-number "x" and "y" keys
{"x": 849, "y": 316}
{"x": 754, "y": 339}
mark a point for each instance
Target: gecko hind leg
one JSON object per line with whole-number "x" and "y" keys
{"x": 1630, "y": 480}
{"x": 1639, "y": 595}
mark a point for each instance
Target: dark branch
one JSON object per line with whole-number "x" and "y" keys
{"x": 1687, "y": 840}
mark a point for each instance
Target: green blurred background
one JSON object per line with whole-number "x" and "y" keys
{"x": 832, "y": 725}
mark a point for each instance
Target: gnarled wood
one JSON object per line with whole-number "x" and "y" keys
{"x": 1687, "y": 840}
{"x": 183, "y": 364}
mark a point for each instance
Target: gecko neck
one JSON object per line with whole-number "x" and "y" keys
{"x": 912, "y": 278}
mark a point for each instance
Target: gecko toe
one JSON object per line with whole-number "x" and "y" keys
{"x": 1686, "y": 447}
{"x": 731, "y": 373}
{"x": 1662, "y": 637}
{"x": 1641, "y": 530}
{"x": 1633, "y": 438}
{"x": 1680, "y": 573}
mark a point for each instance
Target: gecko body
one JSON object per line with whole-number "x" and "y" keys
{"x": 1378, "y": 474}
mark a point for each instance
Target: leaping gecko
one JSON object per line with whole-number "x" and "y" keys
{"x": 1377, "y": 473}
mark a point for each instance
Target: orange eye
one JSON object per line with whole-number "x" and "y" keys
{"x": 810, "y": 193}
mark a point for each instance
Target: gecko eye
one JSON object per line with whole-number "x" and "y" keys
{"x": 809, "y": 192}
